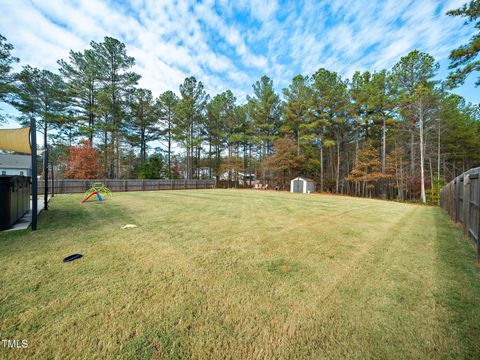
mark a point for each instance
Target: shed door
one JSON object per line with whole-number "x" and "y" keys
{"x": 297, "y": 186}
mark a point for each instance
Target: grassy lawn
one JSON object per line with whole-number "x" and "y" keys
{"x": 241, "y": 274}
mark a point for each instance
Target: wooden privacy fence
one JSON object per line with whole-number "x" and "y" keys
{"x": 461, "y": 199}
{"x": 66, "y": 186}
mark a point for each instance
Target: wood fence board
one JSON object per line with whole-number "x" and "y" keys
{"x": 69, "y": 186}
{"x": 461, "y": 200}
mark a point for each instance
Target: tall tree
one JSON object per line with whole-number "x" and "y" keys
{"x": 460, "y": 136}
{"x": 189, "y": 118}
{"x": 7, "y": 78}
{"x": 329, "y": 109}
{"x": 296, "y": 108}
{"x": 41, "y": 94}
{"x": 464, "y": 60}
{"x": 380, "y": 106}
{"x": 166, "y": 104}
{"x": 264, "y": 109}
{"x": 116, "y": 83}
{"x": 229, "y": 117}
{"x": 144, "y": 116}
{"x": 413, "y": 76}
{"x": 82, "y": 74}
{"x": 215, "y": 133}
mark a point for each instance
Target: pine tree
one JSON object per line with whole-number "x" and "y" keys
{"x": 7, "y": 78}
{"x": 116, "y": 84}
{"x": 264, "y": 109}
{"x": 189, "y": 116}
{"x": 144, "y": 116}
{"x": 413, "y": 77}
{"x": 296, "y": 108}
{"x": 166, "y": 104}
{"x": 41, "y": 95}
{"x": 464, "y": 60}
{"x": 329, "y": 110}
{"x": 82, "y": 74}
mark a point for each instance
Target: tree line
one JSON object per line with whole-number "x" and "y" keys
{"x": 396, "y": 133}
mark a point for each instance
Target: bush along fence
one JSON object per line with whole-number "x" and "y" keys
{"x": 461, "y": 199}
{"x": 66, "y": 186}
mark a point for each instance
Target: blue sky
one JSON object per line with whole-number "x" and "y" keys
{"x": 231, "y": 44}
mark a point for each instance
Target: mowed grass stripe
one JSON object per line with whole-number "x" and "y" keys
{"x": 240, "y": 274}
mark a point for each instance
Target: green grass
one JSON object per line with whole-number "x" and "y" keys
{"x": 240, "y": 274}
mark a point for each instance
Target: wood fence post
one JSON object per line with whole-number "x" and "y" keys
{"x": 185, "y": 184}
{"x": 466, "y": 206}
{"x": 478, "y": 252}
{"x": 143, "y": 184}
{"x": 125, "y": 186}
{"x": 455, "y": 199}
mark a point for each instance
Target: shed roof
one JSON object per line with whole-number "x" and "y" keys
{"x": 303, "y": 178}
{"x": 11, "y": 161}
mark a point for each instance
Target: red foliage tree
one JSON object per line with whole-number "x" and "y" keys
{"x": 83, "y": 162}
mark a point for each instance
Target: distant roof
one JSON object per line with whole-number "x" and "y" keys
{"x": 10, "y": 161}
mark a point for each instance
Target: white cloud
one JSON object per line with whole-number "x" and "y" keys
{"x": 230, "y": 44}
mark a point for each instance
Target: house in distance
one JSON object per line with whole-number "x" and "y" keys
{"x": 11, "y": 164}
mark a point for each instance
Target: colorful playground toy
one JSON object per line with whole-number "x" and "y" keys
{"x": 96, "y": 189}
{"x": 90, "y": 195}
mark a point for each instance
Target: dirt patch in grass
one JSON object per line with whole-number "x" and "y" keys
{"x": 282, "y": 267}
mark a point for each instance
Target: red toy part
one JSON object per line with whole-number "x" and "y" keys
{"x": 88, "y": 197}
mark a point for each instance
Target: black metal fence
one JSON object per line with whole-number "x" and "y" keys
{"x": 66, "y": 186}
{"x": 461, "y": 199}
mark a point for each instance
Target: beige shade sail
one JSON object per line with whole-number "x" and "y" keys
{"x": 17, "y": 140}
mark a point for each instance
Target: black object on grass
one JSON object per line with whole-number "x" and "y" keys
{"x": 72, "y": 257}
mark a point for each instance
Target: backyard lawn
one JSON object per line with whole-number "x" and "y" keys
{"x": 239, "y": 274}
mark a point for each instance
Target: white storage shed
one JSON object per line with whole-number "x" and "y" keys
{"x": 302, "y": 185}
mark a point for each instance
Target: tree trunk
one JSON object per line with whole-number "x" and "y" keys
{"x": 321, "y": 166}
{"x": 337, "y": 178}
{"x": 422, "y": 155}
{"x": 431, "y": 175}
{"x": 142, "y": 146}
{"x": 117, "y": 149}
{"x": 91, "y": 114}
{"x": 402, "y": 184}
{"x": 384, "y": 144}
{"x": 105, "y": 152}
{"x": 412, "y": 153}
{"x": 438, "y": 153}
{"x": 357, "y": 184}
{"x": 209, "y": 157}
{"x": 249, "y": 164}
{"x": 45, "y": 164}
{"x": 298, "y": 141}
